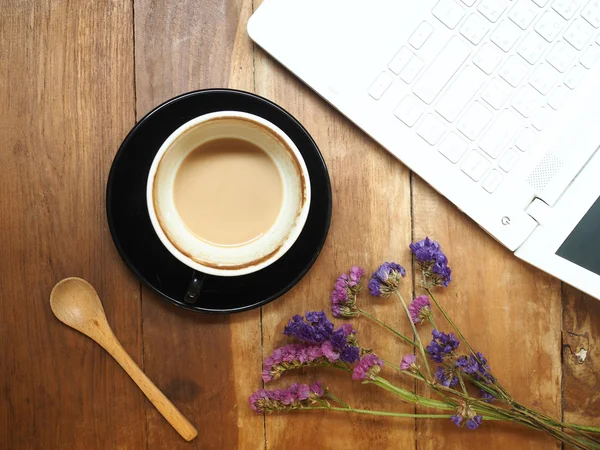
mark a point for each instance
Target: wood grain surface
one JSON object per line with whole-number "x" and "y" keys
{"x": 74, "y": 77}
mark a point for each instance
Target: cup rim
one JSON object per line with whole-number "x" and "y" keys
{"x": 261, "y": 262}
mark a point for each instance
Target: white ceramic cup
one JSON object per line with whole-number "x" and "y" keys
{"x": 208, "y": 257}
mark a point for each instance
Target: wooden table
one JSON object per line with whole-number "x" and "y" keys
{"x": 74, "y": 77}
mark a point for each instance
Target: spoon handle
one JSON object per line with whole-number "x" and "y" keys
{"x": 158, "y": 399}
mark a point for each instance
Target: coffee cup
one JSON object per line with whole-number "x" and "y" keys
{"x": 228, "y": 193}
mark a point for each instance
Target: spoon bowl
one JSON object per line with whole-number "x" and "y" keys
{"x": 75, "y": 303}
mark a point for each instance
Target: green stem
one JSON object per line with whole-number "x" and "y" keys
{"x": 432, "y": 320}
{"x": 400, "y": 335}
{"x": 416, "y": 333}
{"x": 410, "y": 397}
{"x": 383, "y": 413}
{"x": 462, "y": 383}
{"x": 335, "y": 399}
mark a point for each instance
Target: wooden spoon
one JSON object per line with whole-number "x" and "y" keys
{"x": 75, "y": 303}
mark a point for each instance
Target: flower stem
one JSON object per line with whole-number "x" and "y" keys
{"x": 462, "y": 383}
{"x": 382, "y": 413}
{"x": 416, "y": 333}
{"x": 409, "y": 396}
{"x": 400, "y": 335}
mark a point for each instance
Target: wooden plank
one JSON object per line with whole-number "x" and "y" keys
{"x": 201, "y": 362}
{"x": 371, "y": 224}
{"x": 66, "y": 99}
{"x": 581, "y": 370}
{"x": 507, "y": 309}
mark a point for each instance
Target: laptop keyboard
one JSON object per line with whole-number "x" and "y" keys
{"x": 497, "y": 82}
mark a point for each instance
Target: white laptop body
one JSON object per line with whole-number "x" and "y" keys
{"x": 495, "y": 103}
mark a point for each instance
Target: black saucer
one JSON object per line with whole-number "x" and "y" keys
{"x": 139, "y": 245}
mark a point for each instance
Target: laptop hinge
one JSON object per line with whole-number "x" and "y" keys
{"x": 540, "y": 211}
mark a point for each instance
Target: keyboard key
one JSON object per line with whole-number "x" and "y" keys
{"x": 506, "y": 35}
{"x": 412, "y": 69}
{"x": 591, "y": 13}
{"x": 400, "y": 61}
{"x": 409, "y": 110}
{"x": 550, "y": 25}
{"x": 492, "y": 9}
{"x": 566, "y": 8}
{"x": 523, "y": 13}
{"x": 579, "y": 33}
{"x": 526, "y": 101}
{"x": 513, "y": 71}
{"x": 492, "y": 181}
{"x": 500, "y": 133}
{"x": 475, "y": 165}
{"x": 574, "y": 76}
{"x": 431, "y": 129}
{"x": 496, "y": 93}
{"x": 590, "y": 57}
{"x": 508, "y": 160}
{"x": 442, "y": 70}
{"x": 420, "y": 36}
{"x": 526, "y": 140}
{"x": 540, "y": 3}
{"x": 381, "y": 84}
{"x": 561, "y": 56}
{"x": 532, "y": 47}
{"x": 541, "y": 118}
{"x": 557, "y": 97}
{"x": 460, "y": 93}
{"x": 543, "y": 78}
{"x": 474, "y": 29}
{"x": 449, "y": 13}
{"x": 468, "y": 2}
{"x": 453, "y": 147}
{"x": 474, "y": 120}
{"x": 488, "y": 57}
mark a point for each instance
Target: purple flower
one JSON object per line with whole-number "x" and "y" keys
{"x": 343, "y": 341}
{"x": 315, "y": 330}
{"x": 442, "y": 346}
{"x": 446, "y": 376}
{"x": 476, "y": 366}
{"x": 386, "y": 279}
{"x": 329, "y": 352}
{"x": 432, "y": 261}
{"x": 465, "y": 411}
{"x": 456, "y": 420}
{"x": 350, "y": 354}
{"x": 487, "y": 397}
{"x": 407, "y": 361}
{"x": 473, "y": 424}
{"x": 420, "y": 309}
{"x": 296, "y": 356}
{"x": 368, "y": 367}
{"x": 343, "y": 297}
{"x": 293, "y": 397}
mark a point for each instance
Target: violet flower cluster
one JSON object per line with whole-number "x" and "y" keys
{"x": 386, "y": 279}
{"x": 433, "y": 262}
{"x": 420, "y": 309}
{"x": 293, "y": 397}
{"x": 343, "y": 297}
{"x": 368, "y": 367}
{"x": 320, "y": 346}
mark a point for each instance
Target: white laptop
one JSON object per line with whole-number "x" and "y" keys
{"x": 495, "y": 103}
